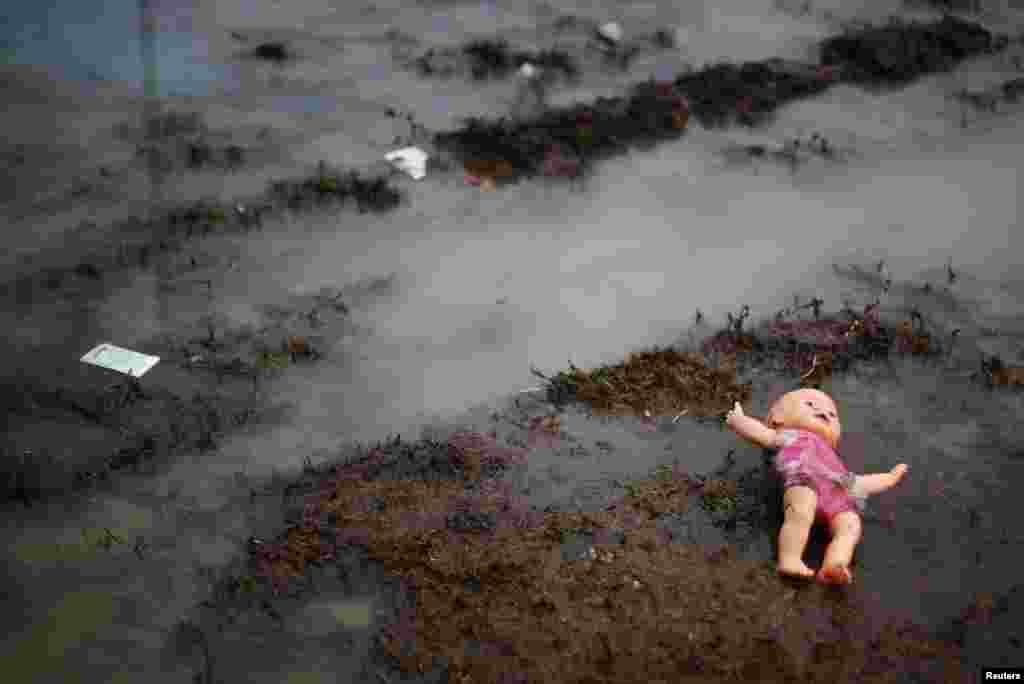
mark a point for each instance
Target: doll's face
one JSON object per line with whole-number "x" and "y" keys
{"x": 808, "y": 409}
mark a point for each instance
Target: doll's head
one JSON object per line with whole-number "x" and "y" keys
{"x": 807, "y": 409}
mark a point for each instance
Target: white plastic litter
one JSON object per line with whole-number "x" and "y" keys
{"x": 611, "y": 32}
{"x": 528, "y": 71}
{"x": 121, "y": 360}
{"x": 411, "y": 160}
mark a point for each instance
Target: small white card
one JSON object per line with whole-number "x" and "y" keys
{"x": 120, "y": 359}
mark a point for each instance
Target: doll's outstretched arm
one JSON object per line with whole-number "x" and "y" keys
{"x": 752, "y": 430}
{"x": 869, "y": 485}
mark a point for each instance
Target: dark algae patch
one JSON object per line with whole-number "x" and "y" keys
{"x": 334, "y": 187}
{"x": 488, "y": 59}
{"x": 140, "y": 425}
{"x": 277, "y": 52}
{"x": 901, "y": 52}
{"x": 651, "y": 113}
{"x": 135, "y": 241}
{"x": 811, "y": 346}
{"x": 749, "y": 93}
{"x": 718, "y": 95}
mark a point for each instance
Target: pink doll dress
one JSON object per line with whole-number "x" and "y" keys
{"x": 807, "y": 460}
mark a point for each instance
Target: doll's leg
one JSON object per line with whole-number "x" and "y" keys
{"x": 846, "y": 531}
{"x": 869, "y": 485}
{"x": 800, "y": 504}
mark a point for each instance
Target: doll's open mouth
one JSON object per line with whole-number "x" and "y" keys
{"x": 822, "y": 416}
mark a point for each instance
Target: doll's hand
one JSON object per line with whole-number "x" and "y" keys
{"x": 869, "y": 485}
{"x": 751, "y": 429}
{"x": 731, "y": 416}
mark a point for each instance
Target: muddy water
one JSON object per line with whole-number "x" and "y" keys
{"x": 462, "y": 291}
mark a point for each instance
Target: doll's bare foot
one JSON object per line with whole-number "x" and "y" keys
{"x": 835, "y": 574}
{"x": 795, "y": 568}
{"x": 869, "y": 485}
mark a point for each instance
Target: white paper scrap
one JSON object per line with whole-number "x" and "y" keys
{"x": 528, "y": 71}
{"x": 412, "y": 160}
{"x": 611, "y": 32}
{"x": 122, "y": 360}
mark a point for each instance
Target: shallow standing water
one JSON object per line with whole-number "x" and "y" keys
{"x": 487, "y": 284}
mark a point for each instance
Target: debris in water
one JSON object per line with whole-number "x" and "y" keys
{"x": 485, "y": 59}
{"x": 87, "y": 270}
{"x": 234, "y": 156}
{"x": 120, "y": 359}
{"x": 1013, "y": 89}
{"x": 269, "y": 360}
{"x": 274, "y": 52}
{"x": 997, "y": 373}
{"x": 608, "y": 40}
{"x": 411, "y": 160}
{"x": 528, "y": 70}
{"x": 298, "y": 346}
{"x": 610, "y": 33}
{"x": 821, "y": 370}
{"x": 664, "y": 39}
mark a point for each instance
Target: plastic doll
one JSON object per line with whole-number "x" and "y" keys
{"x": 804, "y": 427}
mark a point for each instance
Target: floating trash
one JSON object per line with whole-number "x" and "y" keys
{"x": 998, "y": 373}
{"x": 274, "y": 52}
{"x": 411, "y": 160}
{"x": 610, "y": 32}
{"x": 664, "y": 39}
{"x": 484, "y": 59}
{"x": 1012, "y": 89}
{"x": 528, "y": 71}
{"x": 120, "y": 359}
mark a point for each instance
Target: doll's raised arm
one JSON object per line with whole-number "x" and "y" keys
{"x": 753, "y": 430}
